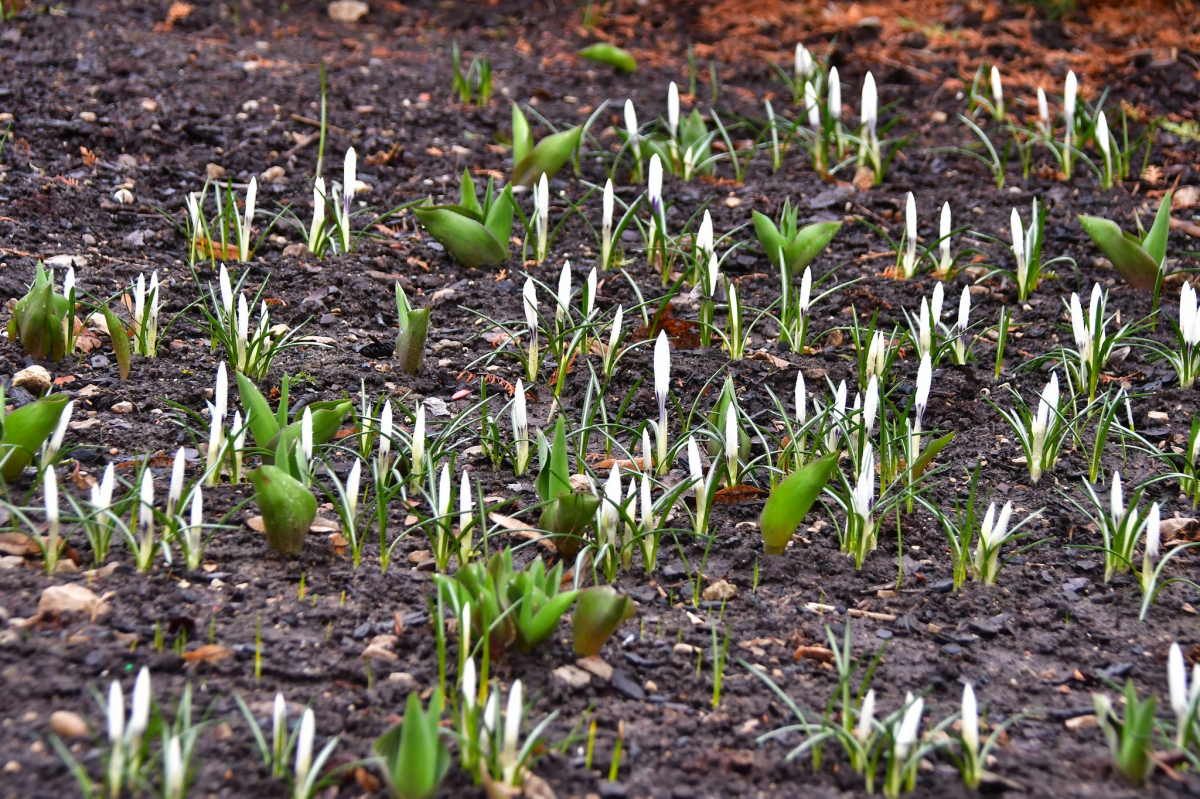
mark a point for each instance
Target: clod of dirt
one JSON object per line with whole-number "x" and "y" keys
{"x": 719, "y": 591}
{"x": 66, "y": 724}
{"x": 348, "y": 11}
{"x": 71, "y": 600}
{"x": 34, "y": 379}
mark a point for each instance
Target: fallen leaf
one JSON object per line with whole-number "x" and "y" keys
{"x": 731, "y": 495}
{"x": 70, "y": 599}
{"x": 17, "y": 544}
{"x": 209, "y": 653}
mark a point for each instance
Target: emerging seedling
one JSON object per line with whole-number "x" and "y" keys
{"x": 40, "y": 319}
{"x": 473, "y": 234}
{"x": 532, "y": 161}
{"x": 414, "y": 329}
{"x": 415, "y": 759}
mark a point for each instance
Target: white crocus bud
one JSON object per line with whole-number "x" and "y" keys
{"x": 513, "y": 713}
{"x": 1189, "y": 316}
{"x": 470, "y": 681}
{"x": 145, "y": 514}
{"x": 247, "y": 219}
{"x": 944, "y": 228}
{"x": 631, "y": 127}
{"x": 936, "y": 302}
{"x": 1046, "y": 417}
{"x": 1070, "y": 92}
{"x": 1177, "y": 688}
{"x": 909, "y": 724}
{"x": 801, "y": 399}
{"x": 662, "y": 386}
{"x": 732, "y": 444}
{"x": 961, "y": 326}
{"x": 924, "y": 382}
{"x": 466, "y": 514}
{"x": 318, "y": 219}
{"x": 711, "y": 274}
{"x": 1019, "y": 253}
{"x": 226, "y": 289}
{"x": 241, "y": 334}
{"x": 115, "y": 714}
{"x": 50, "y": 501}
{"x": 54, "y": 444}
{"x": 139, "y": 300}
{"x": 970, "y": 720}
{"x": 877, "y": 352}
{"x": 837, "y": 414}
{"x": 353, "y": 482}
{"x": 704, "y": 236}
{"x": 520, "y": 429}
{"x": 606, "y": 218}
{"x": 673, "y": 111}
{"x": 418, "y": 441}
{"x": 306, "y": 435}
{"x": 870, "y": 107}
{"x": 563, "y": 307}
{"x": 866, "y": 718}
{"x": 529, "y": 298}
{"x": 614, "y": 335}
{"x": 804, "y": 63}
{"x": 279, "y": 726}
{"x": 139, "y": 714}
{"x": 1080, "y": 330}
{"x": 997, "y": 93}
{"x": 654, "y": 187}
{"x": 541, "y": 201}
{"x": 193, "y": 207}
{"x": 812, "y": 106}
{"x": 443, "y": 495}
{"x": 1043, "y": 111}
{"x": 1116, "y": 500}
{"x": 386, "y": 431}
{"x": 871, "y": 405}
{"x": 589, "y": 295}
{"x": 924, "y": 329}
{"x": 1103, "y": 142}
{"x": 349, "y": 181}
{"x": 805, "y": 291}
{"x": 910, "y": 235}
{"x": 173, "y": 771}
{"x": 68, "y": 282}
{"x": 610, "y": 514}
{"x": 304, "y": 748}
{"x": 175, "y": 489}
{"x": 1151, "y": 546}
{"x": 194, "y": 531}
{"x": 695, "y": 464}
{"x": 835, "y": 94}
{"x": 862, "y": 498}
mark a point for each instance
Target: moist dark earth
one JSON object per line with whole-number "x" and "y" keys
{"x": 103, "y": 96}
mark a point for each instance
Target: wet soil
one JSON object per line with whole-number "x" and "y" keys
{"x": 107, "y": 95}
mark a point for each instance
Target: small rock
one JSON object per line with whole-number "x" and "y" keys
{"x": 222, "y": 732}
{"x": 134, "y": 239}
{"x": 404, "y": 680}
{"x": 348, "y": 11}
{"x": 123, "y": 196}
{"x": 720, "y": 590}
{"x": 34, "y": 379}
{"x": 597, "y": 666}
{"x": 295, "y": 251}
{"x": 12, "y": 767}
{"x": 1082, "y": 722}
{"x": 87, "y": 116}
{"x": 419, "y": 556}
{"x": 11, "y": 562}
{"x": 124, "y": 406}
{"x": 447, "y": 345}
{"x": 1176, "y": 526}
{"x": 214, "y": 171}
{"x": 67, "y": 724}
{"x": 1158, "y": 417}
{"x": 580, "y": 482}
{"x": 71, "y": 599}
{"x": 685, "y": 650}
{"x": 572, "y": 676}
{"x": 938, "y": 117}
{"x": 274, "y": 173}
{"x": 627, "y": 687}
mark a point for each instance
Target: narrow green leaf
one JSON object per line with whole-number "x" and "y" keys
{"x": 1155, "y": 243}
{"x": 612, "y": 55}
{"x": 469, "y": 201}
{"x": 929, "y": 453}
{"x": 790, "y": 502}
{"x": 522, "y": 138}
{"x": 499, "y": 219}
{"x": 1137, "y": 266}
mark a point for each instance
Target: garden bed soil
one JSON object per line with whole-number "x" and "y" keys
{"x": 104, "y": 95}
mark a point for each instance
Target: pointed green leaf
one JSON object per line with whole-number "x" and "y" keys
{"x": 499, "y": 218}
{"x": 469, "y": 201}
{"x": 522, "y": 138}
{"x": 547, "y": 157}
{"x": 568, "y": 518}
{"x": 555, "y": 479}
{"x": 468, "y": 241}
{"x": 24, "y": 432}
{"x": 1137, "y": 266}
{"x": 327, "y": 419}
{"x": 38, "y": 319}
{"x": 537, "y": 628}
{"x": 119, "y": 336}
{"x": 791, "y": 501}
{"x": 599, "y": 611}
{"x": 263, "y": 425}
{"x": 810, "y": 241}
{"x": 614, "y": 56}
{"x": 768, "y": 236}
{"x": 1155, "y": 243}
{"x": 287, "y": 508}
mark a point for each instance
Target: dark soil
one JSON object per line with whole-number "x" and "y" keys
{"x": 223, "y": 87}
